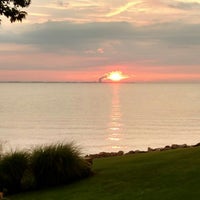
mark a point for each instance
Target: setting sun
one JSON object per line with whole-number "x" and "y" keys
{"x": 116, "y": 76}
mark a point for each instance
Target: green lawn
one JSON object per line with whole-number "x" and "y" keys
{"x": 172, "y": 175}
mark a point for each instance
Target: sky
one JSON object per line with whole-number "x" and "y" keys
{"x": 82, "y": 40}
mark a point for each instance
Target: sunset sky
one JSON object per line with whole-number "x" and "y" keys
{"x": 81, "y": 40}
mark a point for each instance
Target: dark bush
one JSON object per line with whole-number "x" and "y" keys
{"x": 58, "y": 164}
{"x": 45, "y": 166}
{"x": 12, "y": 169}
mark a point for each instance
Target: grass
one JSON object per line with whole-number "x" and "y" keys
{"x": 58, "y": 164}
{"x": 168, "y": 175}
{"x": 12, "y": 169}
{"x": 44, "y": 166}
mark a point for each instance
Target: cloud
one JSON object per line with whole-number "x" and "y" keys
{"x": 100, "y": 50}
{"x": 184, "y": 5}
{"x": 122, "y": 8}
{"x": 139, "y": 12}
{"x": 39, "y": 14}
{"x": 149, "y": 36}
{"x": 62, "y": 3}
{"x": 64, "y": 35}
{"x": 72, "y": 36}
{"x": 88, "y": 46}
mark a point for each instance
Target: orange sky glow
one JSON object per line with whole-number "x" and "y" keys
{"x": 146, "y": 40}
{"x": 73, "y": 76}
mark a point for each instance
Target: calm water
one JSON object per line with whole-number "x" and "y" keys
{"x": 99, "y": 117}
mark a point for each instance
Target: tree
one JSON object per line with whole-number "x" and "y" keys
{"x": 11, "y": 9}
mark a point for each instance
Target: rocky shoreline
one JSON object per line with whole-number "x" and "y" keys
{"x": 90, "y": 157}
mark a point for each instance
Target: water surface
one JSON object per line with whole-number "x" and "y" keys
{"x": 99, "y": 117}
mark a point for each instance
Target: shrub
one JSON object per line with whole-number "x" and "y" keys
{"x": 12, "y": 169}
{"x": 58, "y": 164}
{"x": 1, "y": 149}
{"x": 45, "y": 166}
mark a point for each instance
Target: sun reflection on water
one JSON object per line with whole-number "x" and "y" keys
{"x": 115, "y": 123}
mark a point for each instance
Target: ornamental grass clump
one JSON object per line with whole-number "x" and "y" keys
{"x": 42, "y": 167}
{"x": 1, "y": 149}
{"x": 12, "y": 169}
{"x": 58, "y": 164}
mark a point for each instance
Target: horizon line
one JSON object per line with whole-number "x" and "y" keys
{"x": 123, "y": 82}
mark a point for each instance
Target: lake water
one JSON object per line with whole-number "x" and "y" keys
{"x": 99, "y": 117}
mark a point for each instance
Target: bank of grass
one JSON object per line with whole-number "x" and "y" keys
{"x": 173, "y": 174}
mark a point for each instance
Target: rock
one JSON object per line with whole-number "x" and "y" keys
{"x": 102, "y": 155}
{"x": 113, "y": 154}
{"x": 158, "y": 149}
{"x": 90, "y": 157}
{"x": 183, "y": 146}
{"x": 196, "y": 145}
{"x": 174, "y": 146}
{"x": 138, "y": 151}
{"x": 130, "y": 152}
{"x": 166, "y": 148}
{"x": 120, "y": 153}
{"x": 150, "y": 149}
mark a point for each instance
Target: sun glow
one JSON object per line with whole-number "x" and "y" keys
{"x": 116, "y": 76}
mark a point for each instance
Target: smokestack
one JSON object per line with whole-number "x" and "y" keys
{"x": 101, "y": 78}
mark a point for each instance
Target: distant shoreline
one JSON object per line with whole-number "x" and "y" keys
{"x": 96, "y": 82}
{"x": 66, "y": 82}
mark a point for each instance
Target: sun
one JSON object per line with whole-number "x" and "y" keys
{"x": 116, "y": 76}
